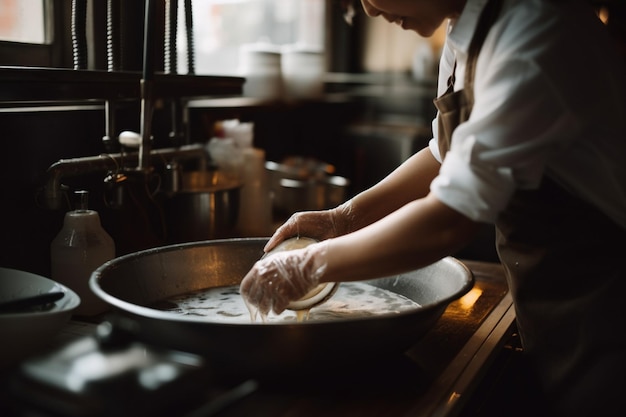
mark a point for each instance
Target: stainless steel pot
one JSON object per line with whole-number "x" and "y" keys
{"x": 205, "y": 208}
{"x": 132, "y": 282}
{"x": 299, "y": 184}
{"x": 312, "y": 194}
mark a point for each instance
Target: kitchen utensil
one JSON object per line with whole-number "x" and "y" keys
{"x": 133, "y": 282}
{"x": 260, "y": 64}
{"x": 299, "y": 183}
{"x": 26, "y": 332}
{"x": 303, "y": 71}
{"x": 30, "y": 302}
{"x": 206, "y": 208}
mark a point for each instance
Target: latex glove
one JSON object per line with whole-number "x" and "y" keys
{"x": 319, "y": 225}
{"x": 275, "y": 281}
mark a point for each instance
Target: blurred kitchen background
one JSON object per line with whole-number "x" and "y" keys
{"x": 346, "y": 104}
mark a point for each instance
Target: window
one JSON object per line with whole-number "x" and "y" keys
{"x": 222, "y": 26}
{"x": 22, "y": 21}
{"x": 37, "y": 32}
{"x": 31, "y": 33}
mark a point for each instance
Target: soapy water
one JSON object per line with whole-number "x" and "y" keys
{"x": 226, "y": 305}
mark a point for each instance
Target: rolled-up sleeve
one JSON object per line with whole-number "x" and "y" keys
{"x": 516, "y": 123}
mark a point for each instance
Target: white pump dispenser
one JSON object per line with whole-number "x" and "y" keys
{"x": 81, "y": 246}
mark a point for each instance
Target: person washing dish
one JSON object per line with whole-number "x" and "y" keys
{"x": 530, "y": 136}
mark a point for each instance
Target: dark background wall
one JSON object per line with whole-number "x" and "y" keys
{"x": 32, "y": 139}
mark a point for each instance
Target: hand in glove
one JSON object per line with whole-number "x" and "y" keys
{"x": 276, "y": 280}
{"x": 319, "y": 225}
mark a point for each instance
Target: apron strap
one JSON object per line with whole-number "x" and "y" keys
{"x": 487, "y": 18}
{"x": 454, "y": 107}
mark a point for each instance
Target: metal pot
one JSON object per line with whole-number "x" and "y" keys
{"x": 299, "y": 184}
{"x": 205, "y": 208}
{"x": 312, "y": 194}
{"x": 131, "y": 282}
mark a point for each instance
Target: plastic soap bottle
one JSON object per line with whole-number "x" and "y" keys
{"x": 80, "y": 248}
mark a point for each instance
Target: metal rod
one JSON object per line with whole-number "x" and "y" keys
{"x": 146, "y": 123}
{"x": 146, "y": 86}
{"x": 109, "y": 139}
{"x": 148, "y": 41}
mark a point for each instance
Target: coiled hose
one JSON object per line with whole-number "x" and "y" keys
{"x": 171, "y": 22}
{"x": 191, "y": 66}
{"x": 79, "y": 33}
{"x": 113, "y": 35}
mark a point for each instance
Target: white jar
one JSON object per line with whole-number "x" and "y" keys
{"x": 80, "y": 248}
{"x": 260, "y": 64}
{"x": 303, "y": 71}
{"x": 255, "y": 208}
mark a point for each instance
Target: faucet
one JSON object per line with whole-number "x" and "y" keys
{"x": 144, "y": 158}
{"x": 53, "y": 194}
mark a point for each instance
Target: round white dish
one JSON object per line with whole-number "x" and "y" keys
{"x": 27, "y": 332}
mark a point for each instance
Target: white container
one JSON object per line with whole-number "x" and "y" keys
{"x": 424, "y": 64}
{"x": 227, "y": 156}
{"x": 255, "y": 210}
{"x": 303, "y": 71}
{"x": 260, "y": 64}
{"x": 81, "y": 246}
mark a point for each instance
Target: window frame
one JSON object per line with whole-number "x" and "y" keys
{"x": 54, "y": 52}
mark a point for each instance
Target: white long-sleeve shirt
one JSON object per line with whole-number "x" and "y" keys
{"x": 549, "y": 100}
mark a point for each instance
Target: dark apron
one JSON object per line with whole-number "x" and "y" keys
{"x": 563, "y": 260}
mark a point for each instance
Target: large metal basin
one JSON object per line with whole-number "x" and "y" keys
{"x": 132, "y": 282}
